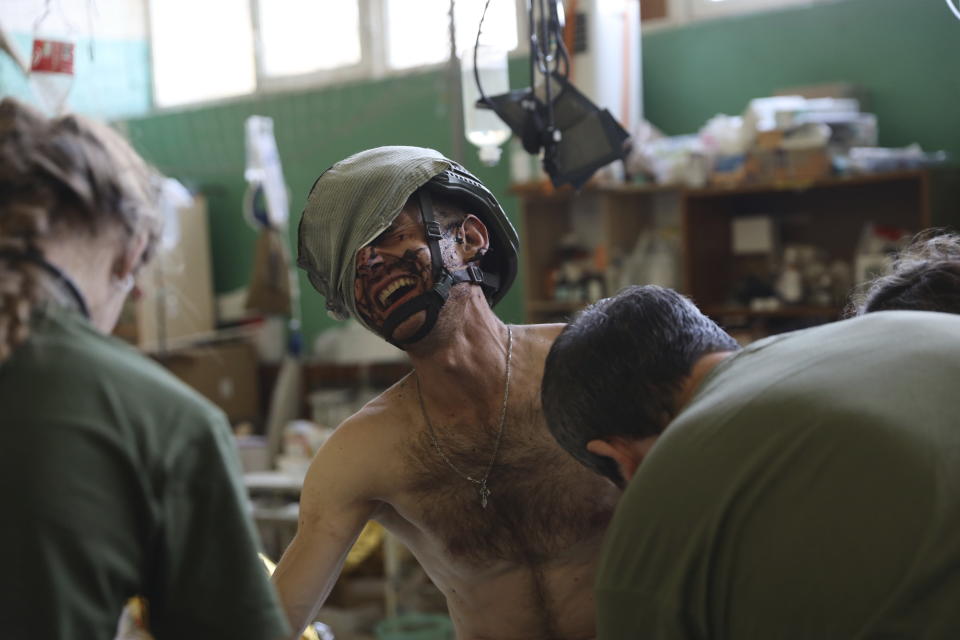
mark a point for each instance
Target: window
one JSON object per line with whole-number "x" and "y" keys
{"x": 210, "y": 49}
{"x": 304, "y": 36}
{"x": 204, "y": 57}
{"x": 406, "y": 22}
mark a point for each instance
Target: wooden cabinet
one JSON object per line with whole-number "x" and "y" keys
{"x": 609, "y": 220}
{"x": 829, "y": 214}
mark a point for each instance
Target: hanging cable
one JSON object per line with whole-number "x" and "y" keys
{"x": 476, "y": 49}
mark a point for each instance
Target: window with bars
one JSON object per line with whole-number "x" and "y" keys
{"x": 217, "y": 49}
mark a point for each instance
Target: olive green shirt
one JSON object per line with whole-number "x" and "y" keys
{"x": 118, "y": 480}
{"x": 810, "y": 489}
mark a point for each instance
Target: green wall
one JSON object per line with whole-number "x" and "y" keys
{"x": 905, "y": 53}
{"x": 204, "y": 147}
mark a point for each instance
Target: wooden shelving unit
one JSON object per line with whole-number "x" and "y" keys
{"x": 799, "y": 311}
{"x": 829, "y": 214}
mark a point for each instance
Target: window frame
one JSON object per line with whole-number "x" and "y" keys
{"x": 706, "y": 9}
{"x": 684, "y": 12}
{"x": 272, "y": 82}
{"x": 373, "y": 63}
{"x": 154, "y": 90}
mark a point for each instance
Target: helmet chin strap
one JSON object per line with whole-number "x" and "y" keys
{"x": 443, "y": 280}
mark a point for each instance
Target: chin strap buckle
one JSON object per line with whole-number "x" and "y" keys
{"x": 474, "y": 273}
{"x": 442, "y": 286}
{"x": 433, "y": 230}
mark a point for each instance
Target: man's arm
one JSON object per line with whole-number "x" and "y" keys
{"x": 335, "y": 504}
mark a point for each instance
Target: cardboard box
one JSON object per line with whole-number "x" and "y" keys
{"x": 176, "y": 305}
{"x": 804, "y": 165}
{"x": 762, "y": 166}
{"x": 728, "y": 171}
{"x": 770, "y": 139}
{"x": 787, "y": 165}
{"x": 829, "y": 90}
{"x": 224, "y": 372}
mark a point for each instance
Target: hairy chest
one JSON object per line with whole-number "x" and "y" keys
{"x": 541, "y": 506}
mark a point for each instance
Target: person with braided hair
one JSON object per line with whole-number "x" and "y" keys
{"x": 115, "y": 479}
{"x": 924, "y": 276}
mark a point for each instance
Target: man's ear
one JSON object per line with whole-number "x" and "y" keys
{"x": 476, "y": 238}
{"x": 626, "y": 452}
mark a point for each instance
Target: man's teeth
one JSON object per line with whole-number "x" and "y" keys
{"x": 392, "y": 287}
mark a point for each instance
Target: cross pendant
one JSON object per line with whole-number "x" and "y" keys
{"x": 484, "y": 494}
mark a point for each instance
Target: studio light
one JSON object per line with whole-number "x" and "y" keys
{"x": 576, "y": 136}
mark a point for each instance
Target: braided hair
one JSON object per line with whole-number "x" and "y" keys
{"x": 60, "y": 178}
{"x": 924, "y": 276}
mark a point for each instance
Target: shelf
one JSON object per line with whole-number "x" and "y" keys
{"x": 783, "y": 312}
{"x": 287, "y": 514}
{"x": 545, "y": 190}
{"x": 829, "y": 214}
{"x": 559, "y": 306}
{"x": 272, "y": 482}
{"x": 554, "y": 306}
{"x": 793, "y": 186}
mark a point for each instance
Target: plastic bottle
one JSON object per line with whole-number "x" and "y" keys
{"x": 51, "y": 60}
{"x": 483, "y": 128}
{"x": 790, "y": 282}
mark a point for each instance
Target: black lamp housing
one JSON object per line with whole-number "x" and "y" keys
{"x": 577, "y": 137}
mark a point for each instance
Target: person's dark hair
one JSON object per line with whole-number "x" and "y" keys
{"x": 617, "y": 368}
{"x": 60, "y": 177}
{"x": 924, "y": 276}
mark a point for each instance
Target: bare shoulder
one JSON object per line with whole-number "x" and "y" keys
{"x": 360, "y": 454}
{"x": 385, "y": 416}
{"x": 548, "y": 331}
{"x": 538, "y": 337}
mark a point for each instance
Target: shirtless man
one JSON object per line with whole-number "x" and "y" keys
{"x": 455, "y": 459}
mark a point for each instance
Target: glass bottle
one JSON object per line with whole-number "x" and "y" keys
{"x": 51, "y": 60}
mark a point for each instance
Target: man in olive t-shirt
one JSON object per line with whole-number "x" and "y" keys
{"x": 807, "y": 486}
{"x": 117, "y": 480}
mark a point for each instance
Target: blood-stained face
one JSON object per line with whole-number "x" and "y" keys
{"x": 392, "y": 270}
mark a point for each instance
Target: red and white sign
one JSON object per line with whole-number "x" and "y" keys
{"x": 52, "y": 56}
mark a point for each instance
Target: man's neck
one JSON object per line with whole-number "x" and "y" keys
{"x": 88, "y": 265}
{"x": 634, "y": 451}
{"x": 465, "y": 356}
{"x": 701, "y": 368}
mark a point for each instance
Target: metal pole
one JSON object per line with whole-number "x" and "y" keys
{"x": 456, "y": 94}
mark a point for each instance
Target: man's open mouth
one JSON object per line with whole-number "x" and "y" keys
{"x": 396, "y": 290}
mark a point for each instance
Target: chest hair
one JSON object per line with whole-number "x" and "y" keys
{"x": 542, "y": 502}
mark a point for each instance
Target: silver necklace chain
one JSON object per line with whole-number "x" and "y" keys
{"x": 481, "y": 483}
